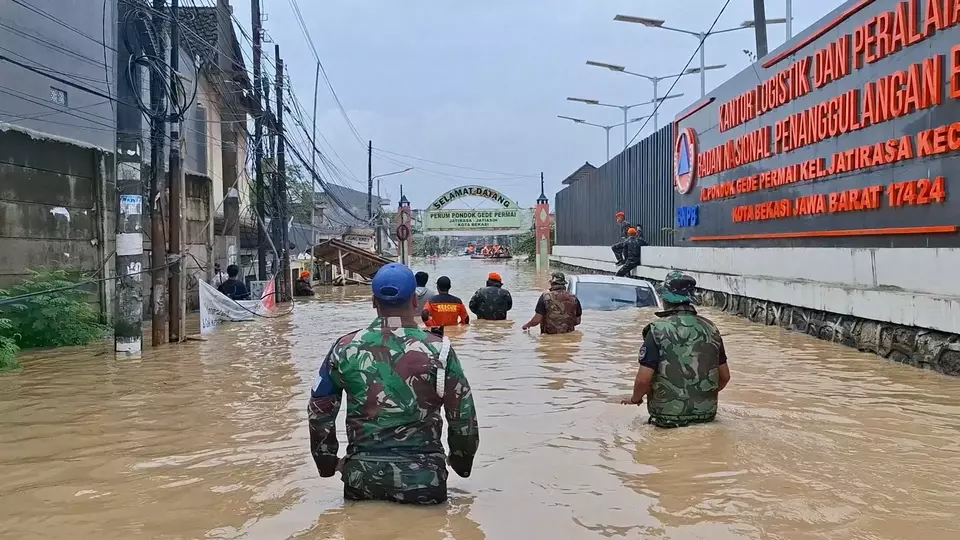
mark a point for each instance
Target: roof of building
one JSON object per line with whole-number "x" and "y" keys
{"x": 585, "y": 170}
{"x": 203, "y": 38}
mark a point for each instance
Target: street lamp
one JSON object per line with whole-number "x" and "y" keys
{"x": 702, "y": 36}
{"x": 379, "y": 224}
{"x": 624, "y": 108}
{"x": 379, "y": 176}
{"x": 653, "y": 79}
{"x": 605, "y": 128}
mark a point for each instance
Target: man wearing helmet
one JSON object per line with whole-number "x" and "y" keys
{"x": 624, "y": 227}
{"x": 629, "y": 251}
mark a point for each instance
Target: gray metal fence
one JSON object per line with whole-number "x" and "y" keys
{"x": 638, "y": 182}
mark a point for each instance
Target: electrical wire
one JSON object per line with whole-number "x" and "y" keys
{"x": 684, "y": 70}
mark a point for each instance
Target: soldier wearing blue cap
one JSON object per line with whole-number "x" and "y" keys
{"x": 396, "y": 377}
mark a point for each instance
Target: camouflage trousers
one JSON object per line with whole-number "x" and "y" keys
{"x": 673, "y": 422}
{"x": 420, "y": 480}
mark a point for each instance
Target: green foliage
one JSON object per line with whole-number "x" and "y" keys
{"x": 60, "y": 318}
{"x": 299, "y": 194}
{"x": 8, "y": 347}
{"x": 425, "y": 246}
{"x": 527, "y": 242}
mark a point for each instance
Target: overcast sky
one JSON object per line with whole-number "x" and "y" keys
{"x": 480, "y": 84}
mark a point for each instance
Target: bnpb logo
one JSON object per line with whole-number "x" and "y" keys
{"x": 684, "y": 159}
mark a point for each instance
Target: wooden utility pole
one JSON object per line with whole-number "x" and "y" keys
{"x": 177, "y": 296}
{"x": 128, "y": 309}
{"x": 258, "y": 188}
{"x": 760, "y": 27}
{"x": 158, "y": 134}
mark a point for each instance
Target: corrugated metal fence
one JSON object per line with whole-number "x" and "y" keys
{"x": 638, "y": 182}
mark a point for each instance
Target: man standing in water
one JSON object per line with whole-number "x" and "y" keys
{"x": 491, "y": 303}
{"x": 558, "y": 311}
{"x": 444, "y": 308}
{"x": 423, "y": 292}
{"x": 683, "y": 363}
{"x": 396, "y": 377}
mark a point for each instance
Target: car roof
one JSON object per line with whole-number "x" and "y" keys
{"x": 599, "y": 278}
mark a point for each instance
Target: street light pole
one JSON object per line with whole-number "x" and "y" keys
{"x": 379, "y": 223}
{"x": 625, "y": 109}
{"x": 653, "y": 79}
{"x": 604, "y": 128}
{"x": 701, "y": 36}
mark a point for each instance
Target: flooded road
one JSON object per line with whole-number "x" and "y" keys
{"x": 209, "y": 439}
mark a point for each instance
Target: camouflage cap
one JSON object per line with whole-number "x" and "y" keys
{"x": 677, "y": 288}
{"x": 558, "y": 278}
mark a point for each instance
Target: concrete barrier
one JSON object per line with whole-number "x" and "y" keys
{"x": 909, "y": 288}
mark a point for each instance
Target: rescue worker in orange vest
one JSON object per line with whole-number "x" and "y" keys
{"x": 444, "y": 309}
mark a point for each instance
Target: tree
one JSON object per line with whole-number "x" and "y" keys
{"x": 300, "y": 193}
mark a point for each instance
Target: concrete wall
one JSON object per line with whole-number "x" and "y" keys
{"x": 76, "y": 55}
{"x": 53, "y": 208}
{"x": 198, "y": 239}
{"x": 902, "y": 286}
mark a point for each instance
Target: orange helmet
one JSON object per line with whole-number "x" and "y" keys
{"x": 304, "y": 274}
{"x": 621, "y": 214}
{"x": 631, "y": 231}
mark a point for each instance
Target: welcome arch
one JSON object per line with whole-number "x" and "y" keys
{"x": 506, "y": 218}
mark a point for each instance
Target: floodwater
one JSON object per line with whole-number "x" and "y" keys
{"x": 208, "y": 440}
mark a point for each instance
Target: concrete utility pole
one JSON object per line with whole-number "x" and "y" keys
{"x": 258, "y": 142}
{"x": 283, "y": 288}
{"x": 128, "y": 309}
{"x": 370, "y": 180}
{"x": 313, "y": 163}
{"x": 760, "y": 27}
{"x": 158, "y": 134}
{"x": 177, "y": 295}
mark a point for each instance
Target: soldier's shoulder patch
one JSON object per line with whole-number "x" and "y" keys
{"x": 643, "y": 354}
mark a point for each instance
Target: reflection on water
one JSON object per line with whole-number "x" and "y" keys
{"x": 208, "y": 439}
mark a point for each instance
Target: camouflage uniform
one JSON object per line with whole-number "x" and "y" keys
{"x": 492, "y": 302}
{"x": 559, "y": 308}
{"x": 686, "y": 381}
{"x": 394, "y": 426}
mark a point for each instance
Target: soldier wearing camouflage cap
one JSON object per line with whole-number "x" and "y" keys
{"x": 558, "y": 311}
{"x": 396, "y": 378}
{"x": 683, "y": 363}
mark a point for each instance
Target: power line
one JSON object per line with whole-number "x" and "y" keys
{"x": 50, "y": 17}
{"x": 455, "y": 166}
{"x": 303, "y": 28}
{"x": 656, "y": 107}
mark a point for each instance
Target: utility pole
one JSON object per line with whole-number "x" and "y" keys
{"x": 158, "y": 134}
{"x": 370, "y": 180}
{"x": 128, "y": 310}
{"x": 313, "y": 164}
{"x": 760, "y": 26}
{"x": 283, "y": 290}
{"x": 258, "y": 141}
{"x": 176, "y": 183}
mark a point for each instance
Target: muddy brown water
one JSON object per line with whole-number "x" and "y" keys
{"x": 208, "y": 440}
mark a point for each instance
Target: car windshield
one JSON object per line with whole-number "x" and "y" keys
{"x": 611, "y": 296}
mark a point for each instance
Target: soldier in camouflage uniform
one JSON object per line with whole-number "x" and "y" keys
{"x": 396, "y": 378}
{"x": 558, "y": 311}
{"x": 491, "y": 303}
{"x": 683, "y": 363}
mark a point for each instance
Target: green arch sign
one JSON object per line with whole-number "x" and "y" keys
{"x": 439, "y": 218}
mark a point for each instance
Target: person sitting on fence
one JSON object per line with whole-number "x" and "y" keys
{"x": 630, "y": 253}
{"x": 234, "y": 288}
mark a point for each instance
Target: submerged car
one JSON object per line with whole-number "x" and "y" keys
{"x": 608, "y": 293}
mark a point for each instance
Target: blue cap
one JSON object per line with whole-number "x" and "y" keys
{"x": 394, "y": 284}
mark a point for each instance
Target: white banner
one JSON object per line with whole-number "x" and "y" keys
{"x": 216, "y": 307}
